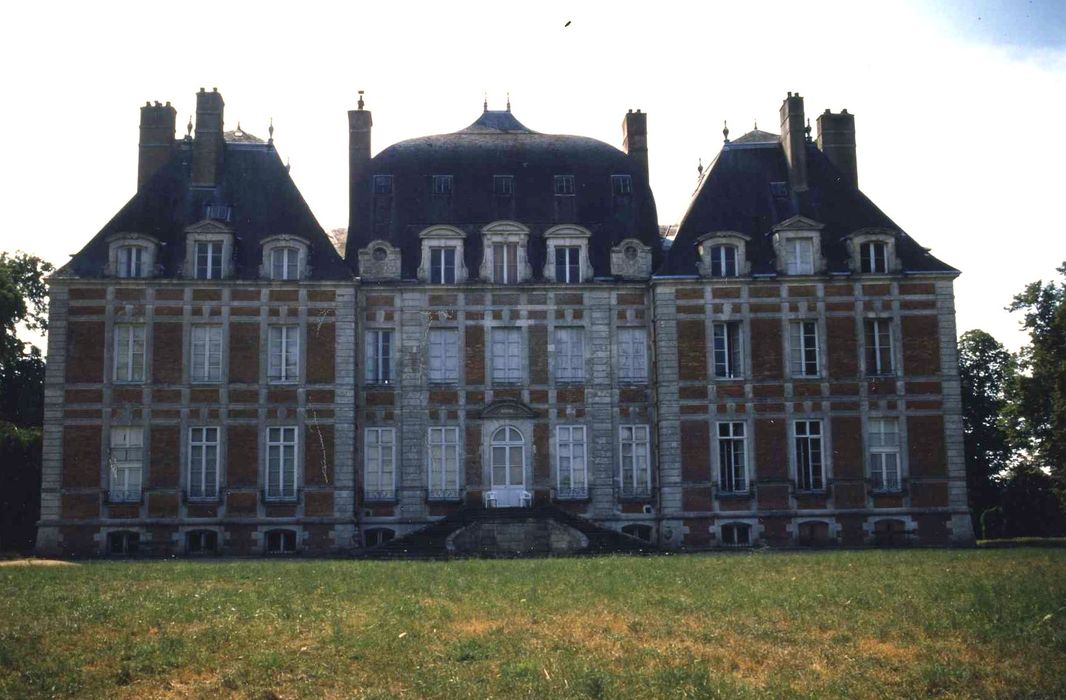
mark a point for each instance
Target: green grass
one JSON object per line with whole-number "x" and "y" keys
{"x": 851, "y": 624}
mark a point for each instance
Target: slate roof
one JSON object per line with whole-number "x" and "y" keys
{"x": 745, "y": 189}
{"x": 254, "y": 182}
{"x": 498, "y": 144}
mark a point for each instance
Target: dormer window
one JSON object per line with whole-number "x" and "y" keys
{"x": 873, "y": 257}
{"x": 442, "y": 184}
{"x": 131, "y": 255}
{"x": 505, "y": 263}
{"x": 284, "y": 258}
{"x": 284, "y": 263}
{"x": 442, "y": 255}
{"x": 873, "y": 251}
{"x": 442, "y": 265}
{"x": 622, "y": 185}
{"x": 209, "y": 260}
{"x": 503, "y": 185}
{"x": 722, "y": 254}
{"x": 131, "y": 261}
{"x": 564, "y": 184}
{"x": 568, "y": 264}
{"x": 383, "y": 184}
{"x": 800, "y": 256}
{"x": 723, "y": 261}
{"x": 798, "y": 246}
{"x": 208, "y": 251}
{"x": 568, "y": 254}
{"x": 505, "y": 260}
{"x": 219, "y": 212}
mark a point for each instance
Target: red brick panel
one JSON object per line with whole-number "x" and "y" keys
{"x": 541, "y": 462}
{"x": 241, "y": 503}
{"x": 85, "y": 351}
{"x": 771, "y": 449}
{"x": 921, "y": 345}
{"x": 928, "y": 494}
{"x": 81, "y": 456}
{"x": 318, "y": 452}
{"x": 164, "y": 461}
{"x": 695, "y": 451}
{"x": 242, "y": 456}
{"x": 472, "y": 455}
{"x": 163, "y": 505}
{"x": 692, "y": 355}
{"x": 842, "y": 347}
{"x": 847, "y": 447}
{"x": 696, "y": 498}
{"x": 851, "y": 495}
{"x": 244, "y": 353}
{"x": 166, "y": 353}
{"x": 321, "y": 351}
{"x": 925, "y": 436}
{"x": 932, "y": 529}
{"x": 766, "y": 350}
{"x": 538, "y": 354}
{"x": 80, "y": 506}
{"x": 318, "y": 503}
{"x": 475, "y": 354}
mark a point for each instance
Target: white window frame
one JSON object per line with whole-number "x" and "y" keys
{"x": 379, "y": 354}
{"x": 621, "y": 185}
{"x": 571, "y": 266}
{"x": 125, "y": 464}
{"x": 506, "y": 348}
{"x": 727, "y": 343}
{"x": 503, "y": 190}
{"x": 442, "y": 251}
{"x": 213, "y": 253}
{"x": 733, "y": 469}
{"x": 130, "y": 348}
{"x": 442, "y": 185}
{"x": 634, "y": 451}
{"x": 809, "y": 453}
{"x": 788, "y": 256}
{"x": 208, "y": 232}
{"x": 881, "y": 445}
{"x": 203, "y": 469}
{"x": 733, "y": 527}
{"x": 569, "y": 354}
{"x": 379, "y": 464}
{"x": 802, "y": 346}
{"x": 869, "y": 262}
{"x": 571, "y": 462}
{"x": 439, "y": 237}
{"x": 283, "y": 353}
{"x": 857, "y": 244}
{"x": 564, "y": 185}
{"x": 507, "y": 270}
{"x": 131, "y": 261}
{"x": 878, "y": 329}
{"x": 282, "y": 463}
{"x": 720, "y": 254}
{"x": 285, "y": 263}
{"x": 444, "y": 355}
{"x": 205, "y": 354}
{"x": 505, "y": 233}
{"x": 121, "y": 246}
{"x": 712, "y": 249}
{"x": 507, "y": 443}
{"x": 800, "y": 256}
{"x": 632, "y": 354}
{"x": 568, "y": 236}
{"x": 293, "y": 268}
{"x": 444, "y": 464}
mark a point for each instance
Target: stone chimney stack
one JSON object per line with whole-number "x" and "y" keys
{"x": 635, "y": 138}
{"x": 208, "y": 146}
{"x": 157, "y": 139}
{"x": 836, "y": 139}
{"x": 794, "y": 141}
{"x": 359, "y": 124}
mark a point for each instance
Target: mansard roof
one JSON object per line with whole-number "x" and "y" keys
{"x": 263, "y": 202}
{"x": 746, "y": 190}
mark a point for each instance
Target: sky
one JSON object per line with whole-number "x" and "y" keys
{"x": 958, "y": 103}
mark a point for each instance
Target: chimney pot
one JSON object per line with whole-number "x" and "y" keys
{"x": 156, "y": 144}
{"x": 836, "y": 139}
{"x": 793, "y": 140}
{"x": 635, "y": 138}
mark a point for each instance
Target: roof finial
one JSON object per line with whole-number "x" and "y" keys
{"x": 725, "y": 131}
{"x": 239, "y": 131}
{"x": 699, "y": 167}
{"x": 271, "y": 131}
{"x": 807, "y": 130}
{"x": 188, "y": 128}
{"x": 485, "y": 102}
{"x": 756, "y": 123}
{"x": 360, "y": 103}
{"x": 287, "y": 164}
{"x": 508, "y": 100}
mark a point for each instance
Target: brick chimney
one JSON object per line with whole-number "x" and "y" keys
{"x": 836, "y": 139}
{"x": 794, "y": 141}
{"x": 208, "y": 146}
{"x": 359, "y": 124}
{"x": 635, "y": 138}
{"x": 157, "y": 139}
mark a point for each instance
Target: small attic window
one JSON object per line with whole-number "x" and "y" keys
{"x": 442, "y": 184}
{"x": 622, "y": 184}
{"x": 503, "y": 184}
{"x": 564, "y": 184}
{"x": 779, "y": 189}
{"x": 218, "y": 212}
{"x": 383, "y": 184}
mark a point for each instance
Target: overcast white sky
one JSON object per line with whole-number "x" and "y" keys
{"x": 959, "y": 104}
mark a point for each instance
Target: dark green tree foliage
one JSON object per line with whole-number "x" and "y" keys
{"x": 1030, "y": 506}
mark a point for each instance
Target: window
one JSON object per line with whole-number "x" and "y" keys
{"x": 570, "y": 461}
{"x": 879, "y": 346}
{"x": 442, "y": 265}
{"x": 383, "y": 184}
{"x": 209, "y": 260}
{"x": 569, "y": 354}
{"x": 281, "y": 464}
{"x": 813, "y": 533}
{"x": 736, "y": 534}
{"x": 444, "y": 355}
{"x": 632, "y": 355}
{"x": 873, "y": 256}
{"x": 123, "y": 543}
{"x": 636, "y": 461}
{"x": 129, "y": 352}
{"x": 374, "y": 536}
{"x": 506, "y": 355}
{"x": 641, "y": 532}
{"x": 201, "y": 542}
{"x": 221, "y": 212}
{"x": 732, "y": 458}
{"x": 508, "y": 457}
{"x": 804, "y": 340}
{"x": 728, "y": 352}
{"x": 285, "y": 263}
{"x": 280, "y": 542}
{"x": 890, "y": 533}
{"x": 131, "y": 261}
{"x": 444, "y": 464}
{"x": 125, "y": 461}
{"x": 723, "y": 261}
{"x": 379, "y": 473}
{"x": 503, "y": 184}
{"x": 442, "y": 184}
{"x": 284, "y": 354}
{"x": 808, "y": 444}
{"x": 622, "y": 184}
{"x": 203, "y": 463}
{"x": 568, "y": 264}
{"x": 505, "y": 263}
{"x": 800, "y": 252}
{"x": 378, "y": 357}
{"x": 883, "y": 435}
{"x": 206, "y": 354}
{"x": 564, "y": 184}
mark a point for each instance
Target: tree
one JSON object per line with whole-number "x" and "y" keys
{"x": 1030, "y": 507}
{"x": 985, "y": 369}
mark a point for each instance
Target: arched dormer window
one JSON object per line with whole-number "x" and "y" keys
{"x": 568, "y": 254}
{"x": 284, "y": 258}
{"x": 873, "y": 251}
{"x": 132, "y": 255}
{"x": 442, "y": 255}
{"x": 505, "y": 260}
{"x": 723, "y": 254}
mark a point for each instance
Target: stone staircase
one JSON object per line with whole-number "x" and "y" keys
{"x": 509, "y": 533}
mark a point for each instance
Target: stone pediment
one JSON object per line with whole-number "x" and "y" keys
{"x": 873, "y": 232}
{"x": 799, "y": 223}
{"x": 208, "y": 226}
{"x": 507, "y": 408}
{"x": 505, "y": 227}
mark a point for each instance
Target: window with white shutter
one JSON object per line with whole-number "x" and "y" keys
{"x": 804, "y": 341}
{"x": 635, "y": 450}
{"x": 284, "y": 354}
{"x": 444, "y": 355}
{"x": 632, "y": 355}
{"x": 571, "y": 461}
{"x": 129, "y": 352}
{"x": 203, "y": 463}
{"x": 444, "y": 464}
{"x": 281, "y": 464}
{"x": 378, "y": 356}
{"x": 506, "y": 355}
{"x": 379, "y": 459}
{"x": 883, "y": 435}
{"x": 569, "y": 354}
{"x": 206, "y": 360}
{"x": 125, "y": 464}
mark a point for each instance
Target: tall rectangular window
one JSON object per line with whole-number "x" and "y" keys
{"x": 632, "y": 355}
{"x": 383, "y": 184}
{"x": 444, "y": 464}
{"x": 874, "y": 256}
{"x": 568, "y": 264}
{"x": 732, "y": 458}
{"x": 622, "y": 185}
{"x": 444, "y": 355}
{"x": 378, "y": 356}
{"x": 808, "y": 446}
{"x": 281, "y": 464}
{"x": 506, "y": 355}
{"x": 285, "y": 263}
{"x": 442, "y": 265}
{"x": 564, "y": 184}
{"x": 206, "y": 354}
{"x": 505, "y": 263}
{"x": 570, "y": 457}
{"x": 129, "y": 352}
{"x": 442, "y": 184}
{"x": 379, "y": 472}
{"x": 209, "y": 260}
{"x": 131, "y": 261}
{"x": 283, "y": 354}
{"x": 723, "y": 261}
{"x": 125, "y": 461}
{"x": 569, "y": 354}
{"x": 800, "y": 256}
{"x": 203, "y": 463}
{"x": 804, "y": 340}
{"x": 879, "y": 346}
{"x": 883, "y": 434}
{"x": 728, "y": 351}
{"x": 635, "y": 450}
{"x": 503, "y": 184}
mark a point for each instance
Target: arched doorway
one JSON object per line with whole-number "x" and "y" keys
{"x": 507, "y": 451}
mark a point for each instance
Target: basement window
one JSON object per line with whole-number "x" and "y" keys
{"x": 280, "y": 542}
{"x": 123, "y": 543}
{"x": 736, "y": 534}
{"x": 378, "y": 535}
{"x": 202, "y": 542}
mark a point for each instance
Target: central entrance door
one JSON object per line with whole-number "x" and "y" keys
{"x": 508, "y": 467}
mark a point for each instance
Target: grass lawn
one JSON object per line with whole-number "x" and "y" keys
{"x": 852, "y": 624}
